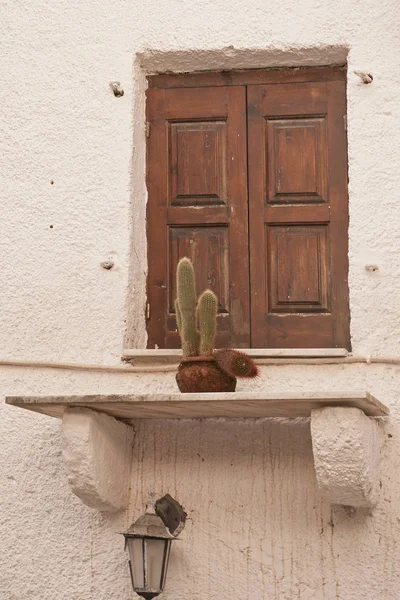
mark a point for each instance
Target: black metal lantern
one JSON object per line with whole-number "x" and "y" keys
{"x": 149, "y": 543}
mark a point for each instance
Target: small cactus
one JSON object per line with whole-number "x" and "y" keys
{"x": 206, "y": 317}
{"x": 186, "y": 307}
{"x": 236, "y": 364}
{"x": 197, "y": 323}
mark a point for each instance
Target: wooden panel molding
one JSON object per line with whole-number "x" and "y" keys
{"x": 208, "y": 248}
{"x": 297, "y": 160}
{"x": 197, "y": 167}
{"x": 297, "y": 268}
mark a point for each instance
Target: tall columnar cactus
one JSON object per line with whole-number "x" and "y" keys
{"x": 185, "y": 307}
{"x": 197, "y": 323}
{"x": 206, "y": 318}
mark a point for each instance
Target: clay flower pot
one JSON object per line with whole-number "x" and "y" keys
{"x": 202, "y": 374}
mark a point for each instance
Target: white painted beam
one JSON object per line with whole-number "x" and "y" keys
{"x": 97, "y": 451}
{"x": 347, "y": 446}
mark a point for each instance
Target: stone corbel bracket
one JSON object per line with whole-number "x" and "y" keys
{"x": 97, "y": 452}
{"x": 347, "y": 447}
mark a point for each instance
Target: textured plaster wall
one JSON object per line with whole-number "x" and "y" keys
{"x": 73, "y": 195}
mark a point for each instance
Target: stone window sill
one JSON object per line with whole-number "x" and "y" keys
{"x": 149, "y": 356}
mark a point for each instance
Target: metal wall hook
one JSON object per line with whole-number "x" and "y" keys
{"x": 117, "y": 89}
{"x": 364, "y": 76}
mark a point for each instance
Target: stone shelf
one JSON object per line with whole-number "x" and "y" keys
{"x": 194, "y": 406}
{"x": 97, "y": 445}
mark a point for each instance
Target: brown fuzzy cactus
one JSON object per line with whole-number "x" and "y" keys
{"x": 236, "y": 364}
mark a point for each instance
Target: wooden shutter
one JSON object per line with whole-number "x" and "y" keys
{"x": 298, "y": 215}
{"x": 197, "y": 206}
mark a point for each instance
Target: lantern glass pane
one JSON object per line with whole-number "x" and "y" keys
{"x": 155, "y": 562}
{"x": 167, "y": 551}
{"x": 135, "y": 547}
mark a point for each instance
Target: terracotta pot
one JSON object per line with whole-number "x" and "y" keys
{"x": 202, "y": 374}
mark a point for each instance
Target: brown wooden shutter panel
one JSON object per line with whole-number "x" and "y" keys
{"x": 298, "y": 215}
{"x": 197, "y": 207}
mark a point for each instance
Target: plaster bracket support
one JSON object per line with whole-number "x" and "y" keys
{"x": 347, "y": 446}
{"x": 97, "y": 452}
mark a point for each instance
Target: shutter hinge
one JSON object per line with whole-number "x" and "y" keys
{"x": 345, "y": 122}
{"x": 147, "y": 129}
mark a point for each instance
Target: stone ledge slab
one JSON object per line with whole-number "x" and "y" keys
{"x": 193, "y": 406}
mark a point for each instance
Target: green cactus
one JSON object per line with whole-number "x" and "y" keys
{"x": 178, "y": 317}
{"x": 186, "y": 302}
{"x": 196, "y": 324}
{"x": 206, "y": 317}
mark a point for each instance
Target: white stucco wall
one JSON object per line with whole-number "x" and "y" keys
{"x": 258, "y": 526}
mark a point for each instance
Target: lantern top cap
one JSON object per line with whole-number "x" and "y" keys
{"x": 150, "y": 526}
